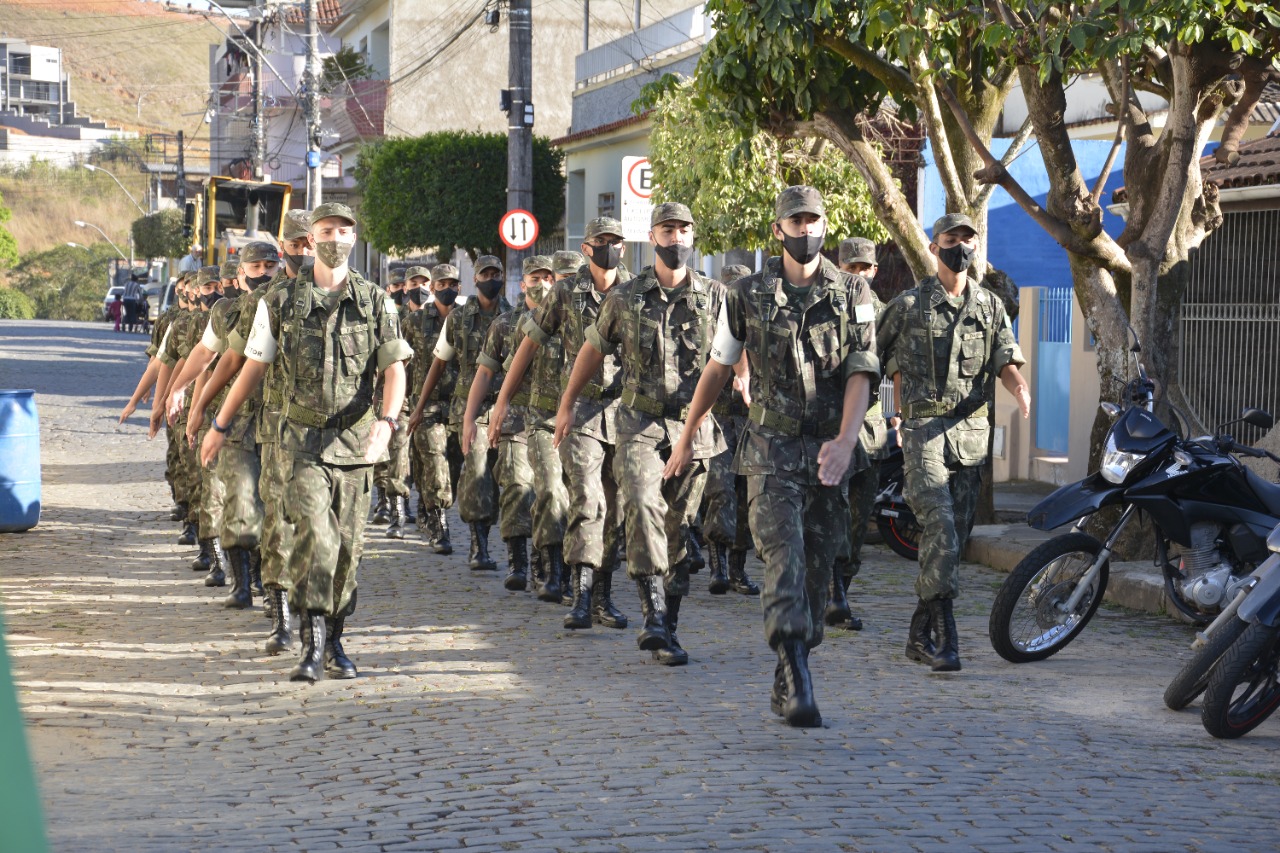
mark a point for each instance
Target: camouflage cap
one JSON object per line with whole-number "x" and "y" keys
{"x": 297, "y": 223}
{"x": 258, "y": 250}
{"x": 603, "y": 225}
{"x": 798, "y": 199}
{"x": 333, "y": 208}
{"x": 951, "y": 222}
{"x": 733, "y": 272}
{"x": 397, "y": 275}
{"x": 857, "y": 250}
{"x": 418, "y": 272}
{"x": 440, "y": 272}
{"x": 208, "y": 275}
{"x": 565, "y": 262}
{"x": 669, "y": 211}
{"x": 533, "y": 263}
{"x": 488, "y": 262}
{"x": 229, "y": 267}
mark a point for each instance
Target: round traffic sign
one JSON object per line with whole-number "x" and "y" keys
{"x": 640, "y": 178}
{"x": 518, "y": 229}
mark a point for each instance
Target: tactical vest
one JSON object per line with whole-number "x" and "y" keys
{"x": 468, "y": 331}
{"x": 964, "y": 348}
{"x": 663, "y": 353}
{"x": 427, "y": 325}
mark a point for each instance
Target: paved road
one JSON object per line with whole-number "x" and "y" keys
{"x": 480, "y": 724}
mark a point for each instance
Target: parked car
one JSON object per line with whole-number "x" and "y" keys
{"x": 159, "y": 298}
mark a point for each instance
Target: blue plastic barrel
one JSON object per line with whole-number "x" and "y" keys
{"x": 19, "y": 461}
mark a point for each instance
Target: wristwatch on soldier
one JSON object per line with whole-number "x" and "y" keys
{"x": 391, "y": 422}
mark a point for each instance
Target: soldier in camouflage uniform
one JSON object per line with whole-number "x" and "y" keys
{"x": 591, "y": 540}
{"x": 462, "y": 338}
{"x": 391, "y": 478}
{"x": 437, "y": 457}
{"x": 382, "y": 498}
{"x": 332, "y": 333}
{"x": 176, "y": 458}
{"x": 945, "y": 342}
{"x": 808, "y": 331}
{"x": 660, "y": 325}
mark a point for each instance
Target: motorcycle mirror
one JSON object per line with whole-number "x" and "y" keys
{"x": 1111, "y": 409}
{"x": 1136, "y": 346}
{"x": 1258, "y": 418}
{"x": 1183, "y": 458}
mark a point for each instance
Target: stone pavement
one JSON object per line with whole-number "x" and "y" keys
{"x": 478, "y": 723}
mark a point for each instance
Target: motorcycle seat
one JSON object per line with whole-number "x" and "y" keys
{"x": 1267, "y": 491}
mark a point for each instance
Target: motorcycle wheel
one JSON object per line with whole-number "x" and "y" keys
{"x": 1025, "y": 622}
{"x": 901, "y": 531}
{"x": 1192, "y": 679}
{"x": 1244, "y": 688}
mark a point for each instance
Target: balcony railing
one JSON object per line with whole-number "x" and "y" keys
{"x": 668, "y": 37}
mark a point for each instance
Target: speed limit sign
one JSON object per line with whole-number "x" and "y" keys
{"x": 518, "y": 229}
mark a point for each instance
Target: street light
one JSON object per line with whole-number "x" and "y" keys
{"x": 81, "y": 223}
{"x": 78, "y": 246}
{"x": 93, "y": 168}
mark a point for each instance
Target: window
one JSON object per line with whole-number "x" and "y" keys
{"x": 20, "y": 63}
{"x": 607, "y": 205}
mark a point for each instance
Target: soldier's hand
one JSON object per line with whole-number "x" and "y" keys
{"x": 468, "y": 436}
{"x": 174, "y": 408}
{"x": 681, "y": 456}
{"x": 495, "y": 429}
{"x": 379, "y": 437}
{"x": 564, "y": 421}
{"x": 742, "y": 384}
{"x": 1023, "y": 396}
{"x": 129, "y": 408}
{"x": 157, "y": 418}
{"x": 833, "y": 460}
{"x": 210, "y": 447}
{"x": 414, "y": 420}
{"x": 195, "y": 419}
{"x": 146, "y": 398}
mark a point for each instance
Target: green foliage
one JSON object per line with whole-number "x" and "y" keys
{"x": 159, "y": 235}
{"x": 16, "y": 305}
{"x": 449, "y": 189}
{"x": 730, "y": 180}
{"x": 8, "y": 245}
{"x": 345, "y": 65}
{"x": 65, "y": 282}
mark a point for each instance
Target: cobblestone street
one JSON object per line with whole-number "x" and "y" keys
{"x": 478, "y": 722}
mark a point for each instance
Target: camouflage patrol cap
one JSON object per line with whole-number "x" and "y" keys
{"x": 297, "y": 224}
{"x": 230, "y": 266}
{"x": 333, "y": 208}
{"x": 670, "y": 211}
{"x": 417, "y": 272}
{"x": 565, "y": 262}
{"x": 208, "y": 275}
{"x": 533, "y": 263}
{"x": 857, "y": 250}
{"x": 397, "y": 275}
{"x": 951, "y": 222}
{"x": 603, "y": 225}
{"x": 440, "y": 272}
{"x": 798, "y": 199}
{"x": 488, "y": 262}
{"x": 259, "y": 250}
{"x": 733, "y": 272}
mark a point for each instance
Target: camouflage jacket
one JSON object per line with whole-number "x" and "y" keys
{"x": 223, "y": 317}
{"x": 544, "y": 378}
{"x": 569, "y": 310}
{"x": 465, "y": 331}
{"x": 422, "y": 331}
{"x": 170, "y": 351}
{"x": 662, "y": 339}
{"x": 495, "y": 355}
{"x": 271, "y": 390}
{"x": 159, "y": 328}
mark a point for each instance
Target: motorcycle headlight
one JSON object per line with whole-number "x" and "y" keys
{"x": 1116, "y": 464}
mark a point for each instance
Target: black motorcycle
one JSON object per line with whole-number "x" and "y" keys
{"x": 894, "y": 519}
{"x": 1199, "y": 497}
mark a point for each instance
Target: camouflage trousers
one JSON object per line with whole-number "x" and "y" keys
{"x": 187, "y": 480}
{"x": 171, "y": 451}
{"x": 724, "y": 505}
{"x": 239, "y": 469}
{"x": 594, "y": 518}
{"x": 863, "y": 488}
{"x": 437, "y": 464}
{"x": 550, "y": 497}
{"x": 943, "y": 494}
{"x": 327, "y": 506}
{"x": 392, "y": 476}
{"x": 792, "y": 526}
{"x": 213, "y": 493}
{"x": 277, "y": 532}
{"x": 477, "y": 488}
{"x": 515, "y": 487}
{"x": 657, "y": 511}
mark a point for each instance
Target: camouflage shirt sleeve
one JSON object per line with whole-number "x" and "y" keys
{"x": 1004, "y": 348}
{"x": 544, "y": 323}
{"x": 606, "y": 334}
{"x": 391, "y": 345}
{"x": 889, "y": 332}
{"x": 862, "y": 356}
{"x": 494, "y": 351}
{"x": 168, "y": 353}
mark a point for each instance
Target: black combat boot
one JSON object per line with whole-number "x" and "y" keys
{"x": 407, "y": 509}
{"x": 241, "y": 579}
{"x": 919, "y": 644}
{"x": 311, "y": 629}
{"x": 946, "y": 658}
{"x": 255, "y": 574}
{"x": 738, "y": 580}
{"x": 602, "y": 610}
{"x": 281, "y": 637}
{"x": 441, "y": 544}
{"x": 582, "y": 579}
{"x": 189, "y": 534}
{"x": 382, "y": 508}
{"x": 203, "y": 559}
{"x": 694, "y": 544}
{"x": 336, "y": 662}
{"x": 800, "y": 709}
{"x": 653, "y": 603}
{"x": 395, "y": 517}
{"x": 566, "y": 584}
{"x": 518, "y": 560}
{"x": 778, "y": 696}
{"x": 424, "y": 519}
{"x": 179, "y": 512}
{"x": 217, "y": 564}
{"x": 718, "y": 583}
{"x": 673, "y": 654}
{"x": 479, "y": 559}
{"x": 537, "y": 574}
{"x": 552, "y": 563}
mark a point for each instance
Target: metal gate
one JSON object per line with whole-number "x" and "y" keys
{"x": 1053, "y": 369}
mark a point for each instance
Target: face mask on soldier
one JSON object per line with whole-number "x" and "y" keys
{"x": 413, "y": 294}
{"x": 256, "y": 281}
{"x": 803, "y": 248}
{"x": 210, "y": 298}
{"x": 489, "y": 289}
{"x": 957, "y": 258}
{"x": 447, "y": 296}
{"x": 674, "y": 256}
{"x": 334, "y": 253}
{"x": 606, "y": 257}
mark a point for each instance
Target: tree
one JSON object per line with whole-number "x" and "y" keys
{"x": 16, "y": 305}
{"x": 343, "y": 67}
{"x": 699, "y": 154}
{"x": 65, "y": 282}
{"x": 160, "y": 235}
{"x": 449, "y": 189}
{"x": 8, "y": 245}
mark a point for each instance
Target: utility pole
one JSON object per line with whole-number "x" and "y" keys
{"x": 181, "y": 177}
{"x": 519, "y": 125}
{"x": 311, "y": 107}
{"x": 259, "y": 155}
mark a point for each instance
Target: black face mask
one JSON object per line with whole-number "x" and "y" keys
{"x": 256, "y": 281}
{"x": 674, "y": 256}
{"x": 447, "y": 296}
{"x": 297, "y": 262}
{"x": 413, "y": 294}
{"x": 210, "y": 298}
{"x": 489, "y": 289}
{"x": 606, "y": 257}
{"x": 958, "y": 258}
{"x": 804, "y": 248}
{"x": 397, "y": 297}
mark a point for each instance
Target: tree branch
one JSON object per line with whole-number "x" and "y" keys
{"x": 1256, "y": 77}
{"x": 1015, "y": 148}
{"x": 895, "y": 79}
{"x": 937, "y": 130}
{"x": 1096, "y": 195}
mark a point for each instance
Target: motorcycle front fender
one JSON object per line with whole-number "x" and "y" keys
{"x": 1074, "y": 501}
{"x": 1262, "y": 604}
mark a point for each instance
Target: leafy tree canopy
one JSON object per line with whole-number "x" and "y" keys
{"x": 65, "y": 282}
{"x": 8, "y": 245}
{"x": 159, "y": 235}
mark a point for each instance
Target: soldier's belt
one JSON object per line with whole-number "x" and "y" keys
{"x": 309, "y": 417}
{"x": 875, "y": 411}
{"x": 544, "y": 403}
{"x": 786, "y": 425}
{"x": 272, "y": 398}
{"x": 939, "y": 409}
{"x": 722, "y": 409}
{"x": 521, "y": 398}
{"x": 592, "y": 391}
{"x": 654, "y": 408}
